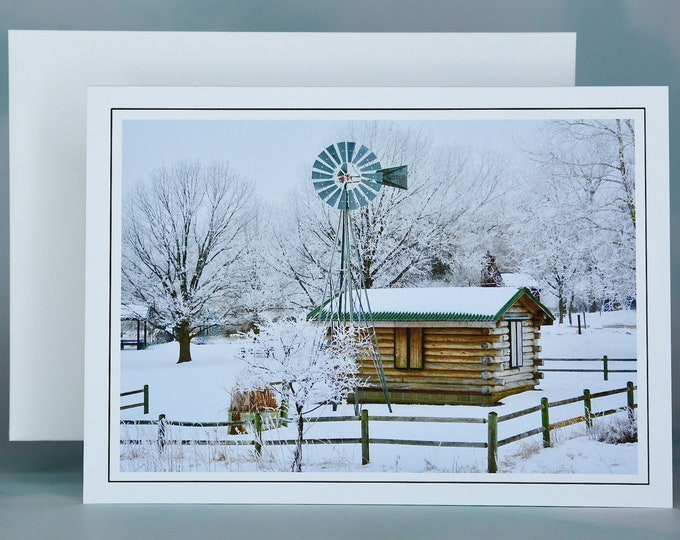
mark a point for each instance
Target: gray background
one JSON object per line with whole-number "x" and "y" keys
{"x": 620, "y": 42}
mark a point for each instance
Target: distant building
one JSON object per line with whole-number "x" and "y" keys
{"x": 491, "y": 276}
{"x": 513, "y": 279}
{"x": 133, "y": 330}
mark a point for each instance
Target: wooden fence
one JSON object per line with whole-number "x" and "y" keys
{"x": 492, "y": 420}
{"x": 546, "y": 427}
{"x": 605, "y": 369}
{"x": 145, "y": 399}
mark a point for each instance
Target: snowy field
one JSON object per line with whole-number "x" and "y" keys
{"x": 199, "y": 392}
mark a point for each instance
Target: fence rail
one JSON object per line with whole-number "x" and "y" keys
{"x": 605, "y": 370}
{"x": 145, "y": 399}
{"x": 428, "y": 419}
{"x": 492, "y": 420}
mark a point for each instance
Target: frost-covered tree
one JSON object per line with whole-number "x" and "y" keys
{"x": 582, "y": 207}
{"x": 261, "y": 289}
{"x": 551, "y": 253}
{"x": 600, "y": 156}
{"x": 401, "y": 236}
{"x": 290, "y": 357}
{"x": 183, "y": 232}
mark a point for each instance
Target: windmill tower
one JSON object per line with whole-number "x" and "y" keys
{"x": 348, "y": 176}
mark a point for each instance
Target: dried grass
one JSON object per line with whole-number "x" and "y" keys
{"x": 260, "y": 400}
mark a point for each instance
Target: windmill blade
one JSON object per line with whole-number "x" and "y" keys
{"x": 319, "y": 166}
{"x": 333, "y": 153}
{"x": 354, "y": 201}
{"x": 326, "y": 158}
{"x": 360, "y": 154}
{"x": 361, "y": 197}
{"x": 323, "y": 184}
{"x": 342, "y": 149}
{"x": 334, "y": 199}
{"x": 350, "y": 151}
{"x": 369, "y": 160}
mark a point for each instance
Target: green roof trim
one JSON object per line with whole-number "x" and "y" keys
{"x": 320, "y": 314}
{"x": 521, "y": 292}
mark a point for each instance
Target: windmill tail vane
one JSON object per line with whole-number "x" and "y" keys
{"x": 396, "y": 177}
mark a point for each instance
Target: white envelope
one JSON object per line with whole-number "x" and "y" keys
{"x": 48, "y": 76}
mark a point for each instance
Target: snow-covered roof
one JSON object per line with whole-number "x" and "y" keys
{"x": 133, "y": 311}
{"x": 441, "y": 303}
{"x": 516, "y": 279}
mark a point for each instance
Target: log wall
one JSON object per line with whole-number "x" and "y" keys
{"x": 460, "y": 364}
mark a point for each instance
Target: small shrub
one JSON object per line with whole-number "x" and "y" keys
{"x": 620, "y": 429}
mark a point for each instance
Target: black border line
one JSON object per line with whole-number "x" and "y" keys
{"x": 108, "y": 432}
{"x": 112, "y": 111}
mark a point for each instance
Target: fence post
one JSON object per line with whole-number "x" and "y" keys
{"x": 630, "y": 400}
{"x": 545, "y": 422}
{"x": 161, "y": 432}
{"x": 492, "y": 442}
{"x": 365, "y": 457}
{"x": 605, "y": 363}
{"x": 146, "y": 399}
{"x": 578, "y": 318}
{"x": 587, "y": 408}
{"x": 258, "y": 433}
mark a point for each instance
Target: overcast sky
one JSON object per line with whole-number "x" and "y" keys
{"x": 275, "y": 154}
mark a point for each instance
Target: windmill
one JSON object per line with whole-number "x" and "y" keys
{"x": 348, "y": 176}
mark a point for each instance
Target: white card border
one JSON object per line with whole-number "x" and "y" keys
{"x": 523, "y": 490}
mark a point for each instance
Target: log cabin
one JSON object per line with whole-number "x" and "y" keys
{"x": 453, "y": 345}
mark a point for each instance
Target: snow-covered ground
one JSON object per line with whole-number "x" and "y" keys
{"x": 610, "y": 333}
{"x": 199, "y": 392}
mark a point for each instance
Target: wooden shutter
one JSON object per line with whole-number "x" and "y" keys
{"x": 516, "y": 356}
{"x": 401, "y": 348}
{"x": 408, "y": 348}
{"x": 416, "y": 348}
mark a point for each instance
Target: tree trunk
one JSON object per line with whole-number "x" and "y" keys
{"x": 297, "y": 460}
{"x": 183, "y": 337}
{"x": 571, "y": 308}
{"x": 562, "y": 303}
{"x": 368, "y": 280}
